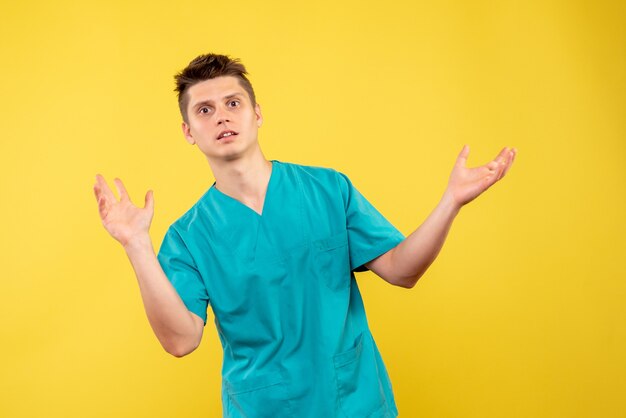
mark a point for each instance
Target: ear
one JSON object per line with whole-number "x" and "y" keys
{"x": 187, "y": 133}
{"x": 259, "y": 116}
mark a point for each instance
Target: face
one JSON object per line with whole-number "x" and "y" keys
{"x": 221, "y": 119}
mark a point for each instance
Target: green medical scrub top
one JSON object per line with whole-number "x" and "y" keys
{"x": 281, "y": 285}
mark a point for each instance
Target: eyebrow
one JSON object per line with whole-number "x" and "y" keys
{"x": 209, "y": 101}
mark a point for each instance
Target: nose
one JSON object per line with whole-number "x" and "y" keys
{"x": 221, "y": 116}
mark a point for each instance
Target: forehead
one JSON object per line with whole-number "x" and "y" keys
{"x": 214, "y": 89}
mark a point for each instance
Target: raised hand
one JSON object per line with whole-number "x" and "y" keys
{"x": 466, "y": 184}
{"x": 122, "y": 219}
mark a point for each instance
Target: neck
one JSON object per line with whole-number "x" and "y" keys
{"x": 244, "y": 179}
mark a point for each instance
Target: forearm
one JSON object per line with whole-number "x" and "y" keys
{"x": 412, "y": 257}
{"x": 168, "y": 316}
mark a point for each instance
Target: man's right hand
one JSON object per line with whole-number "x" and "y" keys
{"x": 178, "y": 330}
{"x": 125, "y": 222}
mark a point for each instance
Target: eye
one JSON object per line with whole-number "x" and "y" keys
{"x": 233, "y": 103}
{"x": 204, "y": 109}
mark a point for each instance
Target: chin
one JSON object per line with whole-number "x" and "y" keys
{"x": 230, "y": 152}
{"x": 229, "y": 155}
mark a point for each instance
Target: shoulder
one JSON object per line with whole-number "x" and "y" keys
{"x": 186, "y": 220}
{"x": 312, "y": 173}
{"x": 325, "y": 180}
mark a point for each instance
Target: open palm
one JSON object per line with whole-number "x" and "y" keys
{"x": 466, "y": 184}
{"x": 122, "y": 219}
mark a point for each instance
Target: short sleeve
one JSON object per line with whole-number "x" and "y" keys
{"x": 370, "y": 234}
{"x": 180, "y": 269}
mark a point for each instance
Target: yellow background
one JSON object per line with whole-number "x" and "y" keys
{"x": 522, "y": 315}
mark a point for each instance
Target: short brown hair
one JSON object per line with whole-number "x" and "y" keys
{"x": 205, "y": 67}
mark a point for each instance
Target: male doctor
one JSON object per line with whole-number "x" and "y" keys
{"x": 272, "y": 247}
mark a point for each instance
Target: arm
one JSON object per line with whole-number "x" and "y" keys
{"x": 408, "y": 261}
{"x": 178, "y": 330}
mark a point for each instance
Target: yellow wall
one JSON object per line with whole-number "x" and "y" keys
{"x": 523, "y": 313}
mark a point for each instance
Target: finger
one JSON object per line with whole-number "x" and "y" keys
{"x": 489, "y": 168}
{"x": 504, "y": 164}
{"x": 494, "y": 165}
{"x": 104, "y": 187}
{"x": 510, "y": 162}
{"x": 121, "y": 189}
{"x": 503, "y": 161}
{"x": 461, "y": 160}
{"x": 501, "y": 171}
{"x": 103, "y": 207}
{"x": 491, "y": 179}
{"x": 96, "y": 191}
{"x": 149, "y": 201}
{"x": 495, "y": 168}
{"x": 501, "y": 155}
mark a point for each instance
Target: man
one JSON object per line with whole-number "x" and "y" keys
{"x": 273, "y": 247}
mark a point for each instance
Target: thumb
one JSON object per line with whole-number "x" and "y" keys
{"x": 462, "y": 158}
{"x": 149, "y": 201}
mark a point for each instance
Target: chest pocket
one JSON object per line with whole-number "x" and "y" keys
{"x": 332, "y": 260}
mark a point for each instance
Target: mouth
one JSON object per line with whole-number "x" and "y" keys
{"x": 226, "y": 134}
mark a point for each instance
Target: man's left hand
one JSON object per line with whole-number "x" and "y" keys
{"x": 466, "y": 184}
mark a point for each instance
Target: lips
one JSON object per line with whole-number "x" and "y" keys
{"x": 226, "y": 134}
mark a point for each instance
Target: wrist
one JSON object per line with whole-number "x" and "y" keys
{"x": 449, "y": 204}
{"x": 138, "y": 243}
